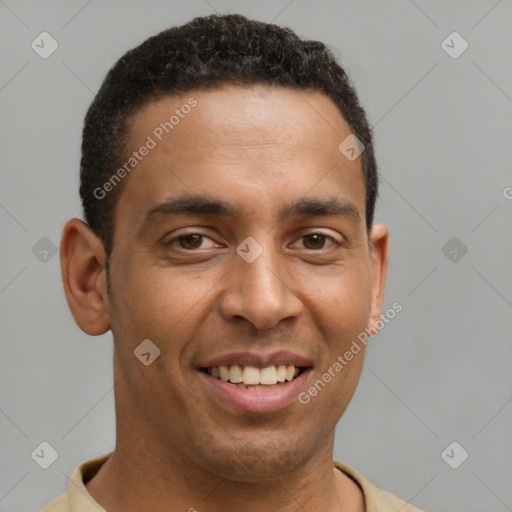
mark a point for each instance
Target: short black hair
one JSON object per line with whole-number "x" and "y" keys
{"x": 206, "y": 53}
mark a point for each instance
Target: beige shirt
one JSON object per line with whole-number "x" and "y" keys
{"x": 77, "y": 499}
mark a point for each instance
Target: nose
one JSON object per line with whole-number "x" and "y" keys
{"x": 260, "y": 292}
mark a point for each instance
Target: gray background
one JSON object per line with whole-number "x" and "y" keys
{"x": 439, "y": 372}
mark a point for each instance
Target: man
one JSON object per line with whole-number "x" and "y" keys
{"x": 228, "y": 183}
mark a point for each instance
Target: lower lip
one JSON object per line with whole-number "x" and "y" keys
{"x": 257, "y": 401}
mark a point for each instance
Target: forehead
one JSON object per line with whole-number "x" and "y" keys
{"x": 243, "y": 115}
{"x": 262, "y": 141}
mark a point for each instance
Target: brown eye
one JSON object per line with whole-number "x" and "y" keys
{"x": 316, "y": 241}
{"x": 190, "y": 241}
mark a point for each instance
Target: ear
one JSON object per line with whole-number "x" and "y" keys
{"x": 82, "y": 263}
{"x": 379, "y": 238}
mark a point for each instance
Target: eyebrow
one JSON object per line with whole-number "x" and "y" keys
{"x": 315, "y": 207}
{"x": 302, "y": 207}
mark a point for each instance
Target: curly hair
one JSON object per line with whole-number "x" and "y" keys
{"x": 206, "y": 53}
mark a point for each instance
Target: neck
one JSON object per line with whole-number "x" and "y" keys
{"x": 133, "y": 480}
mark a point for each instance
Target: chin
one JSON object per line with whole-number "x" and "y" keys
{"x": 255, "y": 457}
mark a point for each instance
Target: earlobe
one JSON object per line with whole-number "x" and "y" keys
{"x": 82, "y": 258}
{"x": 379, "y": 238}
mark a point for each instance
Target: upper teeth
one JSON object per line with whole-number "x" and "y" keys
{"x": 250, "y": 375}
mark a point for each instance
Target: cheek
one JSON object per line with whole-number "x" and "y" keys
{"x": 161, "y": 304}
{"x": 342, "y": 301}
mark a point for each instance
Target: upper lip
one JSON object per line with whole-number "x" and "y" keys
{"x": 257, "y": 360}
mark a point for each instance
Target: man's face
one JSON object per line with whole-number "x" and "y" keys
{"x": 188, "y": 281}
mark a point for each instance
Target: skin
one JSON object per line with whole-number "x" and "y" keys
{"x": 258, "y": 148}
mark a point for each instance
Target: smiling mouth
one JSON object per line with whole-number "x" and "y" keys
{"x": 251, "y": 377}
